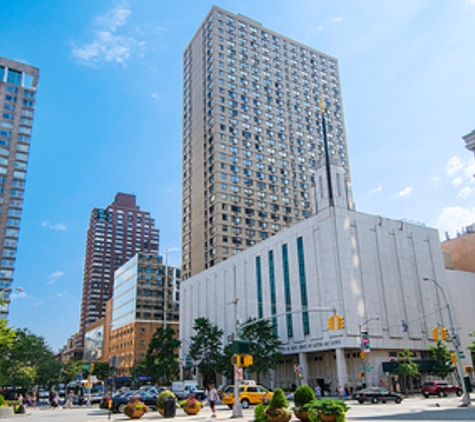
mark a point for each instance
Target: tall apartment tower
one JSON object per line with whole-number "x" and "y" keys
{"x": 116, "y": 233}
{"x": 18, "y": 84}
{"x": 252, "y": 135}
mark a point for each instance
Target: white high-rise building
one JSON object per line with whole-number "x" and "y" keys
{"x": 252, "y": 135}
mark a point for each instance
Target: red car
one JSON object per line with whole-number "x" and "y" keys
{"x": 439, "y": 388}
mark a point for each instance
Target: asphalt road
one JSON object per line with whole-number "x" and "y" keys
{"x": 412, "y": 409}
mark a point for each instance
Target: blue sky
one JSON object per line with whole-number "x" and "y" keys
{"x": 108, "y": 119}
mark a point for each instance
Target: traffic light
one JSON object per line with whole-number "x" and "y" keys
{"x": 92, "y": 368}
{"x": 453, "y": 358}
{"x": 444, "y": 333}
{"x": 340, "y": 322}
{"x": 435, "y": 333}
{"x": 331, "y": 323}
{"x": 365, "y": 346}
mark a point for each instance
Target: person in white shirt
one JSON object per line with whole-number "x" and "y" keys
{"x": 213, "y": 399}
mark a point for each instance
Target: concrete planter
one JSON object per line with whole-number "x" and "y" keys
{"x": 6, "y": 412}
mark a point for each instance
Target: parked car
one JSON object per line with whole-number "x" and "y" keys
{"x": 248, "y": 394}
{"x": 440, "y": 388}
{"x": 119, "y": 401}
{"x": 376, "y": 395}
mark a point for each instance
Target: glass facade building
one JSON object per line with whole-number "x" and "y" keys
{"x": 18, "y": 83}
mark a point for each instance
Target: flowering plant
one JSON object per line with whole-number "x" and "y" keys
{"x": 135, "y": 404}
{"x": 190, "y": 402}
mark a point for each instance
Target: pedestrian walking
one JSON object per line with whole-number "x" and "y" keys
{"x": 213, "y": 399}
{"x": 69, "y": 400}
{"x": 318, "y": 392}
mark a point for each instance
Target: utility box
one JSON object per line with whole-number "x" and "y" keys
{"x": 241, "y": 347}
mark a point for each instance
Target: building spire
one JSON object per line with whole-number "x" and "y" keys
{"x": 327, "y": 154}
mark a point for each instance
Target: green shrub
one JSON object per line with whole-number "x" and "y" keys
{"x": 303, "y": 395}
{"x": 2, "y": 401}
{"x": 162, "y": 396}
{"x": 260, "y": 413}
{"x": 327, "y": 407}
{"x": 279, "y": 400}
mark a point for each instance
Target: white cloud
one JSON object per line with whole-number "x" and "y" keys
{"x": 453, "y": 166}
{"x": 376, "y": 190}
{"x": 452, "y": 219}
{"x": 115, "y": 17}
{"x": 435, "y": 179}
{"x": 18, "y": 295}
{"x": 337, "y": 19}
{"x": 57, "y": 226}
{"x": 406, "y": 192}
{"x": 107, "y": 46}
{"x": 54, "y": 276}
{"x": 469, "y": 171}
{"x": 457, "y": 181}
{"x": 154, "y": 95}
{"x": 465, "y": 192}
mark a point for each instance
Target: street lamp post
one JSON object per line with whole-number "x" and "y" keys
{"x": 8, "y": 290}
{"x": 455, "y": 341}
{"x": 363, "y": 353}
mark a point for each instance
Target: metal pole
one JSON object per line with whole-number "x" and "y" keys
{"x": 363, "y": 360}
{"x": 165, "y": 293}
{"x": 456, "y": 342}
{"x": 237, "y": 408}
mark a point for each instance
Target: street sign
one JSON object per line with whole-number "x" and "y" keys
{"x": 238, "y": 373}
{"x": 461, "y": 355}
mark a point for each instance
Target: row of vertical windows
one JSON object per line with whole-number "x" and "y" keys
{"x": 287, "y": 290}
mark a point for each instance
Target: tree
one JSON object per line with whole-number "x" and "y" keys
{"x": 264, "y": 345}
{"x": 27, "y": 361}
{"x": 206, "y": 349}
{"x": 406, "y": 369}
{"x": 101, "y": 370}
{"x": 442, "y": 366}
{"x": 71, "y": 371}
{"x": 225, "y": 366}
{"x": 7, "y": 337}
{"x": 161, "y": 360}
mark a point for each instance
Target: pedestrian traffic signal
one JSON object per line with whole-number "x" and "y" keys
{"x": 248, "y": 360}
{"x": 340, "y": 322}
{"x": 361, "y": 374}
{"x": 331, "y": 323}
{"x": 467, "y": 369}
{"x": 242, "y": 360}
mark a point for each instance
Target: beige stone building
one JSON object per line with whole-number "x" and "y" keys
{"x": 252, "y": 135}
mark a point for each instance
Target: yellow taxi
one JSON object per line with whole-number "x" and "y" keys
{"x": 248, "y": 394}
